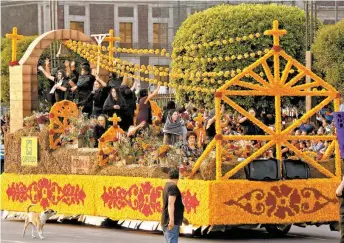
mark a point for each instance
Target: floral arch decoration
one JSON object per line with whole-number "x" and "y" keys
{"x": 277, "y": 85}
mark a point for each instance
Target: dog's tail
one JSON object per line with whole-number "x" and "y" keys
{"x": 28, "y": 208}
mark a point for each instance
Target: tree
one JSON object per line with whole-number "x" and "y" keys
{"x": 328, "y": 54}
{"x": 230, "y": 21}
{"x": 6, "y": 51}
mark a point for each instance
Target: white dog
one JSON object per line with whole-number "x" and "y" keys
{"x": 37, "y": 220}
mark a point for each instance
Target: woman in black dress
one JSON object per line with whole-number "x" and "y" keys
{"x": 60, "y": 83}
{"x": 115, "y": 103}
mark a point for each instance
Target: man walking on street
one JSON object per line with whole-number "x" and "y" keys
{"x": 173, "y": 208}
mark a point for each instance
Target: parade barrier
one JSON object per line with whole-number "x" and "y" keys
{"x": 223, "y": 197}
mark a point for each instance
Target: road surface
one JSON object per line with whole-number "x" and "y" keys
{"x": 11, "y": 232}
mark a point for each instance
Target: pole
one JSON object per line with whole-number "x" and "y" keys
{"x": 336, "y": 10}
{"x": 99, "y": 39}
{"x": 311, "y": 26}
{"x": 307, "y": 32}
{"x": 315, "y": 16}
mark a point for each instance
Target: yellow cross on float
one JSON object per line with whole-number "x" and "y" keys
{"x": 275, "y": 32}
{"x": 15, "y": 37}
{"x": 111, "y": 39}
{"x": 115, "y": 119}
{"x": 199, "y": 119}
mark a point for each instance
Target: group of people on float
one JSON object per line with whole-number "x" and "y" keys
{"x": 103, "y": 99}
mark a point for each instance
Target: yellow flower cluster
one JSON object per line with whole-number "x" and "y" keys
{"x": 123, "y": 71}
{"x": 217, "y": 43}
{"x": 94, "y": 47}
{"x": 220, "y": 58}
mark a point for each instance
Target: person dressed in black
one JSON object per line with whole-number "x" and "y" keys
{"x": 115, "y": 103}
{"x": 72, "y": 76}
{"x": 130, "y": 100}
{"x": 114, "y": 80}
{"x": 99, "y": 129}
{"x": 97, "y": 97}
{"x": 84, "y": 87}
{"x": 340, "y": 195}
{"x": 173, "y": 208}
{"x": 145, "y": 109}
{"x": 210, "y": 125}
{"x": 249, "y": 127}
{"x": 60, "y": 84}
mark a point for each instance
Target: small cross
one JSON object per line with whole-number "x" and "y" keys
{"x": 14, "y": 36}
{"x": 111, "y": 39}
{"x": 115, "y": 119}
{"x": 199, "y": 119}
{"x": 275, "y": 32}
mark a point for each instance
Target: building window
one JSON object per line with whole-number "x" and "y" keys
{"x": 162, "y": 78}
{"x": 126, "y": 35}
{"x": 160, "y": 35}
{"x": 75, "y": 25}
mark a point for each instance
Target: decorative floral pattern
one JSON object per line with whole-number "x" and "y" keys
{"x": 46, "y": 192}
{"x": 144, "y": 198}
{"x": 282, "y": 201}
{"x": 59, "y": 116}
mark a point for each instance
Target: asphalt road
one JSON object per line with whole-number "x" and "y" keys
{"x": 62, "y": 233}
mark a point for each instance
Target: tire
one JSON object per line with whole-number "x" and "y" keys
{"x": 278, "y": 230}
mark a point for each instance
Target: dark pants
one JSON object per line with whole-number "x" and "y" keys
{"x": 51, "y": 98}
{"x": 88, "y": 110}
{"x": 171, "y": 236}
{"x": 97, "y": 111}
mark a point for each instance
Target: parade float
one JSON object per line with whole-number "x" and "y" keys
{"x": 99, "y": 182}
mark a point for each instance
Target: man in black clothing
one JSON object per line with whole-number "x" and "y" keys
{"x": 173, "y": 208}
{"x": 84, "y": 87}
{"x": 339, "y": 194}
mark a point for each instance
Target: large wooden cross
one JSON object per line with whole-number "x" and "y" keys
{"x": 15, "y": 37}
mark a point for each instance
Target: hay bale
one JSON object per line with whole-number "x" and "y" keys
{"x": 329, "y": 165}
{"x": 159, "y": 172}
{"x": 208, "y": 168}
{"x": 132, "y": 170}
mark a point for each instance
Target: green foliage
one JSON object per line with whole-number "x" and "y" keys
{"x": 328, "y": 54}
{"x": 231, "y": 21}
{"x": 6, "y": 56}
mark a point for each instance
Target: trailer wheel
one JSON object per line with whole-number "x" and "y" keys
{"x": 278, "y": 230}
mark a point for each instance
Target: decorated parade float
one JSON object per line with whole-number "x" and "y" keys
{"x": 125, "y": 183}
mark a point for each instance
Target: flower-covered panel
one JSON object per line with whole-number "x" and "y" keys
{"x": 244, "y": 202}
